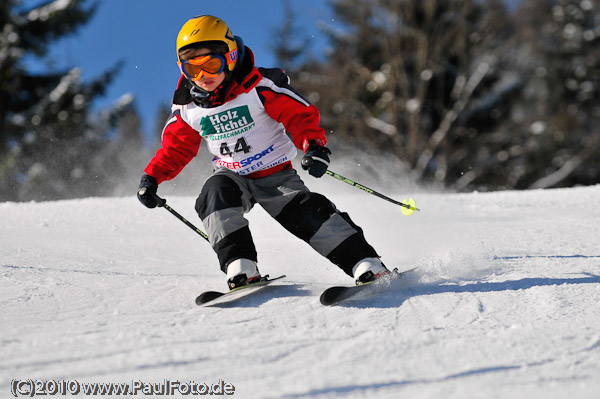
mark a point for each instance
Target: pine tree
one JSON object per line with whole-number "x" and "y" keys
{"x": 415, "y": 78}
{"x": 49, "y": 148}
{"x": 289, "y": 43}
{"x": 560, "y": 107}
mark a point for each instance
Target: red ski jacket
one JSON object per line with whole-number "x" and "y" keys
{"x": 189, "y": 123}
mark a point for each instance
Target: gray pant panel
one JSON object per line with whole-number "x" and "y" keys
{"x": 310, "y": 217}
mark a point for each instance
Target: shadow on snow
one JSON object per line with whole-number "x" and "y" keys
{"x": 394, "y": 296}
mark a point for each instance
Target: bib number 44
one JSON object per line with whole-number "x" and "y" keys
{"x": 240, "y": 146}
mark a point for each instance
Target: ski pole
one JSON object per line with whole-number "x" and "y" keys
{"x": 162, "y": 203}
{"x": 409, "y": 205}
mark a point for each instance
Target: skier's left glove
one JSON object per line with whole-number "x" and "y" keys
{"x": 316, "y": 159}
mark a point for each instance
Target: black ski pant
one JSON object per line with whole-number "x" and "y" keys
{"x": 226, "y": 197}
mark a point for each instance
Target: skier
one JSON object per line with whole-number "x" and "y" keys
{"x": 243, "y": 112}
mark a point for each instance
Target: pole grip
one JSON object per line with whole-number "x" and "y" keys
{"x": 159, "y": 201}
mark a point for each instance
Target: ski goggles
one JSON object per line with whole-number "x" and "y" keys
{"x": 209, "y": 65}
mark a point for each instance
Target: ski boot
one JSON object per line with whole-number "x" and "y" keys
{"x": 369, "y": 269}
{"x": 242, "y": 272}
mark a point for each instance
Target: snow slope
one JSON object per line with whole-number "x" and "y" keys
{"x": 505, "y": 304}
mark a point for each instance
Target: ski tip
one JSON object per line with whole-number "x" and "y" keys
{"x": 207, "y": 297}
{"x": 330, "y": 296}
{"x": 334, "y": 295}
{"x": 325, "y": 302}
{"x": 326, "y": 295}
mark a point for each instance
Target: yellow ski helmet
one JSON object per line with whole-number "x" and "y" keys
{"x": 206, "y": 28}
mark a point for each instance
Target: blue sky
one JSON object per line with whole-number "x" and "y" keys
{"x": 142, "y": 33}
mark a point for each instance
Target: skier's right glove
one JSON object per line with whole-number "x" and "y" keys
{"x": 316, "y": 159}
{"x": 147, "y": 191}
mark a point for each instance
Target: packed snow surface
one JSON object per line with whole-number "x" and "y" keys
{"x": 505, "y": 302}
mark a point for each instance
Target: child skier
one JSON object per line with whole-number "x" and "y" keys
{"x": 243, "y": 112}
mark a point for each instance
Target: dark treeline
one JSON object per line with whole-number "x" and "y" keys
{"x": 466, "y": 94}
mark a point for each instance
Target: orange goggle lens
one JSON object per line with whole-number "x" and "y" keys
{"x": 210, "y": 65}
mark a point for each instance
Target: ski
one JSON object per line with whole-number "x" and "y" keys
{"x": 337, "y": 294}
{"x": 211, "y": 298}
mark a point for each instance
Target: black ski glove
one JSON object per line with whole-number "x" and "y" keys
{"x": 147, "y": 191}
{"x": 316, "y": 159}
